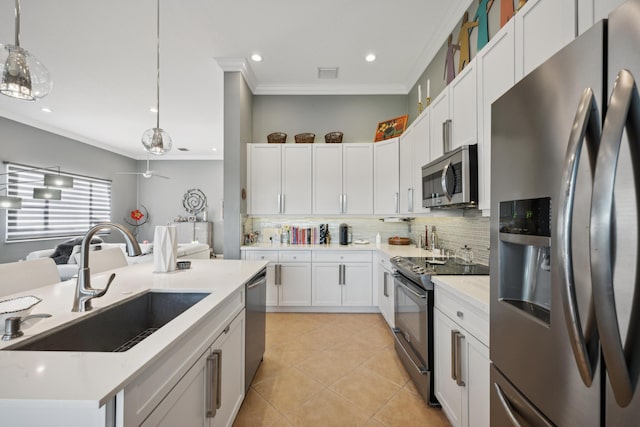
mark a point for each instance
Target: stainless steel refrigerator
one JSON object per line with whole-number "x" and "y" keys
{"x": 565, "y": 198}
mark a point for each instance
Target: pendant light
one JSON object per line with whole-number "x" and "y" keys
{"x": 156, "y": 140}
{"x": 22, "y": 75}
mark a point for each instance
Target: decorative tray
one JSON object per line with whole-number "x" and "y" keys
{"x": 17, "y": 307}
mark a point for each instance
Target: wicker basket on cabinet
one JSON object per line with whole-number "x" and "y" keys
{"x": 277, "y": 138}
{"x": 305, "y": 138}
{"x": 333, "y": 138}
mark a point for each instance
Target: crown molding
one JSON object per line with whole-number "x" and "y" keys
{"x": 241, "y": 65}
{"x": 355, "y": 89}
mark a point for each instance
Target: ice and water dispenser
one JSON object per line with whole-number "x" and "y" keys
{"x": 525, "y": 256}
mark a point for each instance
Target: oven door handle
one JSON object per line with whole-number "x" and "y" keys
{"x": 421, "y": 370}
{"x": 398, "y": 279}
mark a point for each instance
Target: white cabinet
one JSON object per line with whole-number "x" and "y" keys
{"x": 461, "y": 360}
{"x": 279, "y": 179}
{"x": 496, "y": 74}
{"x": 343, "y": 179}
{"x": 342, "y": 279}
{"x": 439, "y": 121}
{"x": 592, "y": 11}
{"x": 414, "y": 153}
{"x": 386, "y": 180}
{"x": 454, "y": 118}
{"x": 211, "y": 392}
{"x": 384, "y": 279}
{"x": 463, "y": 107}
{"x": 542, "y": 28}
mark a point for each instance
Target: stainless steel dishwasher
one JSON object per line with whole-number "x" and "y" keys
{"x": 255, "y": 326}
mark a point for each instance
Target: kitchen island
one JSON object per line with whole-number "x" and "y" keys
{"x": 97, "y": 388}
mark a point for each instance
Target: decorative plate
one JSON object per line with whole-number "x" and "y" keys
{"x": 194, "y": 201}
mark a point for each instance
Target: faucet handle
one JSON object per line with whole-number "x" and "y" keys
{"x": 100, "y": 292}
{"x": 12, "y": 325}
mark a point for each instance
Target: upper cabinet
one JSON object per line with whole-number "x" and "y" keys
{"x": 454, "y": 116}
{"x": 279, "y": 179}
{"x": 414, "y": 153}
{"x": 386, "y": 178}
{"x": 542, "y": 28}
{"x": 343, "y": 179}
{"x": 496, "y": 74}
{"x": 590, "y": 12}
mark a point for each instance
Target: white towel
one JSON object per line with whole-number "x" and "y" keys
{"x": 165, "y": 249}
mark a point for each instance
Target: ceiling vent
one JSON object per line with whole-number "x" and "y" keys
{"x": 183, "y": 149}
{"x": 327, "y": 72}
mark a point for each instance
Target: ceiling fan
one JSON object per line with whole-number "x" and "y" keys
{"x": 148, "y": 173}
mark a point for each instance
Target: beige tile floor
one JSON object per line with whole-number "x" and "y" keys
{"x": 332, "y": 370}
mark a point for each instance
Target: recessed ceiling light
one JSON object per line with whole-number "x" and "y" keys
{"x": 153, "y": 109}
{"x": 256, "y": 57}
{"x": 214, "y": 149}
{"x": 370, "y": 57}
{"x": 183, "y": 149}
{"x": 46, "y": 109}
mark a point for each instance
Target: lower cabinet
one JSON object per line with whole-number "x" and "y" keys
{"x": 342, "y": 279}
{"x": 461, "y": 370}
{"x": 384, "y": 278}
{"x": 211, "y": 391}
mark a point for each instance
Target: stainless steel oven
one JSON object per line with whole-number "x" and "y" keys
{"x": 413, "y": 333}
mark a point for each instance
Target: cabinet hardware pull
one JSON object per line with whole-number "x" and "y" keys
{"x": 454, "y": 357}
{"x": 211, "y": 375}
{"x": 460, "y": 314}
{"x": 218, "y": 378}
{"x": 279, "y": 203}
{"x": 459, "y": 338}
{"x": 226, "y": 330}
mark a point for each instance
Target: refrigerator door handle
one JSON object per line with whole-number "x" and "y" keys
{"x": 512, "y": 411}
{"x": 586, "y": 126}
{"x": 623, "y": 112}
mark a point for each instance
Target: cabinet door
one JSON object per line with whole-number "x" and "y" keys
{"x": 357, "y": 178}
{"x": 230, "y": 345}
{"x": 439, "y": 115}
{"x": 496, "y": 74}
{"x": 185, "y": 404}
{"x": 325, "y": 284}
{"x": 477, "y": 382}
{"x": 421, "y": 156}
{"x": 385, "y": 295}
{"x": 448, "y": 392}
{"x": 265, "y": 164}
{"x": 542, "y": 28}
{"x": 327, "y": 179}
{"x": 296, "y": 179}
{"x": 386, "y": 180}
{"x": 357, "y": 287}
{"x": 295, "y": 284}
{"x": 407, "y": 188}
{"x": 463, "y": 107}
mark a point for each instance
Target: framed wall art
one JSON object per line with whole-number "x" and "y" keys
{"x": 391, "y": 128}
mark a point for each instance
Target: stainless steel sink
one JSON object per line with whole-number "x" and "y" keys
{"x": 117, "y": 328}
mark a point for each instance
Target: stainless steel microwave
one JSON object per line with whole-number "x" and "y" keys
{"x": 451, "y": 181}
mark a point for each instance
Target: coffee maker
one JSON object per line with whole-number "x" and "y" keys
{"x": 344, "y": 234}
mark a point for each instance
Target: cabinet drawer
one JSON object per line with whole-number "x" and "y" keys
{"x": 341, "y": 256}
{"x": 271, "y": 256}
{"x": 383, "y": 260}
{"x": 468, "y": 317}
{"x": 294, "y": 256}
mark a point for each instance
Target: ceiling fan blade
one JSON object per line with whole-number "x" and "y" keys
{"x": 161, "y": 176}
{"x": 129, "y": 173}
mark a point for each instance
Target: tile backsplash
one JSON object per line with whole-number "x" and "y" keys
{"x": 471, "y": 229}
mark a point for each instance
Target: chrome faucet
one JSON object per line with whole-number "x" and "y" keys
{"x": 84, "y": 292}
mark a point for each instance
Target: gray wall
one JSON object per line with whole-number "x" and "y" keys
{"x": 356, "y": 116}
{"x": 435, "y": 70}
{"x": 27, "y": 145}
{"x": 163, "y": 197}
{"x": 238, "y": 131}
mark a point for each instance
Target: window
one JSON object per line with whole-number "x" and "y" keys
{"x": 81, "y": 207}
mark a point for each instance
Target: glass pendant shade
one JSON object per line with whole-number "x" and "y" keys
{"x": 47, "y": 194}
{"x": 58, "y": 181}
{"x": 22, "y": 76}
{"x": 156, "y": 141}
{"x": 7, "y": 202}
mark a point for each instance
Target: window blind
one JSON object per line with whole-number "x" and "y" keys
{"x": 83, "y": 206}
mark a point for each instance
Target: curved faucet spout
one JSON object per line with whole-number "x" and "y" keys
{"x": 84, "y": 292}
